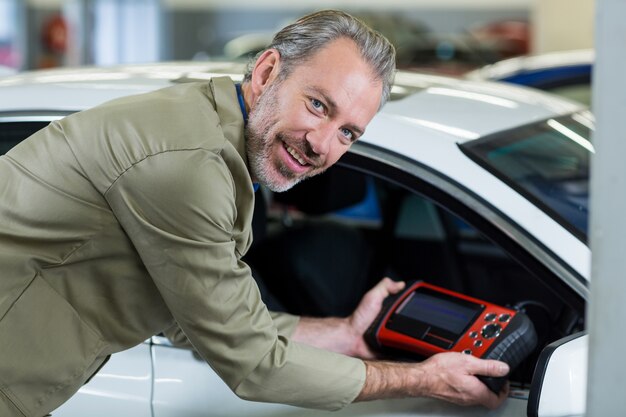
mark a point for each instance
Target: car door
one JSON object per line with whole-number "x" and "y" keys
{"x": 184, "y": 385}
{"x": 123, "y": 387}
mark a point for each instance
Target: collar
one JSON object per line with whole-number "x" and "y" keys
{"x": 242, "y": 104}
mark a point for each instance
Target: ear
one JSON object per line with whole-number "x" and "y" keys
{"x": 264, "y": 72}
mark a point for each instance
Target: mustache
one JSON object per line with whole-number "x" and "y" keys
{"x": 304, "y": 147}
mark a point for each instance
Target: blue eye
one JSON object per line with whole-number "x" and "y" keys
{"x": 316, "y": 103}
{"x": 347, "y": 133}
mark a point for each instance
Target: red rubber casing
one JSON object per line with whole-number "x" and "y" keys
{"x": 472, "y": 340}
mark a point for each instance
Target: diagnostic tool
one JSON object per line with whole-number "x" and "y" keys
{"x": 425, "y": 319}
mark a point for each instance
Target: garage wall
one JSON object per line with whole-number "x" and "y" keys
{"x": 200, "y": 28}
{"x": 323, "y": 4}
{"x": 205, "y": 31}
{"x": 562, "y": 24}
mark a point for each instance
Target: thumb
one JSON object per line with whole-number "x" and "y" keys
{"x": 394, "y": 287}
{"x": 371, "y": 303}
{"x": 387, "y": 286}
{"x": 384, "y": 288}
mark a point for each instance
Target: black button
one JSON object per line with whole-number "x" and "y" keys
{"x": 490, "y": 317}
{"x": 467, "y": 351}
{"x": 473, "y": 335}
{"x": 478, "y": 343}
{"x": 504, "y": 318}
{"x": 491, "y": 330}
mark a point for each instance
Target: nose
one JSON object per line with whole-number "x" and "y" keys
{"x": 321, "y": 138}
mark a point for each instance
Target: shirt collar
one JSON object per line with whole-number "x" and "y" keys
{"x": 242, "y": 104}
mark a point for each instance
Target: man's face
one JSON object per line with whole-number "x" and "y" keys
{"x": 303, "y": 124}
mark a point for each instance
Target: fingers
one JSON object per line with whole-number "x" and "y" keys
{"x": 471, "y": 365}
{"x": 371, "y": 303}
{"x": 461, "y": 385}
{"x": 488, "y": 367}
{"x": 387, "y": 286}
{"x": 382, "y": 290}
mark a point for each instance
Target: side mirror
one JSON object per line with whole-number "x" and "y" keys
{"x": 559, "y": 386}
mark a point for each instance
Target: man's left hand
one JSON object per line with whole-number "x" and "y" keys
{"x": 345, "y": 335}
{"x": 366, "y": 312}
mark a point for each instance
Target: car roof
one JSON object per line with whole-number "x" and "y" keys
{"x": 424, "y": 100}
{"x": 461, "y": 110}
{"x": 86, "y": 87}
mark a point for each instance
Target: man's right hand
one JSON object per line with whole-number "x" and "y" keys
{"x": 452, "y": 377}
{"x": 448, "y": 376}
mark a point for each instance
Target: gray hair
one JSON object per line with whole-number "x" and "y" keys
{"x": 299, "y": 41}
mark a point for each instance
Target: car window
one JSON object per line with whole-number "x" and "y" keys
{"x": 548, "y": 162}
{"x": 12, "y": 133}
{"x": 320, "y": 252}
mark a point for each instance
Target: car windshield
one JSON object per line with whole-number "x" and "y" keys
{"x": 548, "y": 162}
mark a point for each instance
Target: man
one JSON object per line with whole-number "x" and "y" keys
{"x": 132, "y": 217}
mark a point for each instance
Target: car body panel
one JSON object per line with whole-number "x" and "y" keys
{"x": 494, "y": 106}
{"x": 103, "y": 84}
{"x": 123, "y": 387}
{"x": 193, "y": 388}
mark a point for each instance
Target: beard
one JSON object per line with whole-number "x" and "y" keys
{"x": 261, "y": 139}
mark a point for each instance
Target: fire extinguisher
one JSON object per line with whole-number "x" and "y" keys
{"x": 54, "y": 35}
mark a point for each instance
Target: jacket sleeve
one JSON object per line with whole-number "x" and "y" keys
{"x": 178, "y": 208}
{"x": 285, "y": 324}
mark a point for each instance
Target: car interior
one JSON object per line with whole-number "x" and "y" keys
{"x": 13, "y": 133}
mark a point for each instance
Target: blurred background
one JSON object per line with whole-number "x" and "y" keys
{"x": 446, "y": 36}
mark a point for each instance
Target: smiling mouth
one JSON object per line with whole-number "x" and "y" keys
{"x": 296, "y": 155}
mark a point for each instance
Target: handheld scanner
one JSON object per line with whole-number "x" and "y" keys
{"x": 425, "y": 319}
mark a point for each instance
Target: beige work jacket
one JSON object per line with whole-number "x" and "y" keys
{"x": 120, "y": 221}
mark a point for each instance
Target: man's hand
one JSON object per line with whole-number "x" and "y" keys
{"x": 366, "y": 312}
{"x": 345, "y": 335}
{"x": 449, "y": 376}
{"x": 452, "y": 377}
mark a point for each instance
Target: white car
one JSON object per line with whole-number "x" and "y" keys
{"x": 478, "y": 187}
